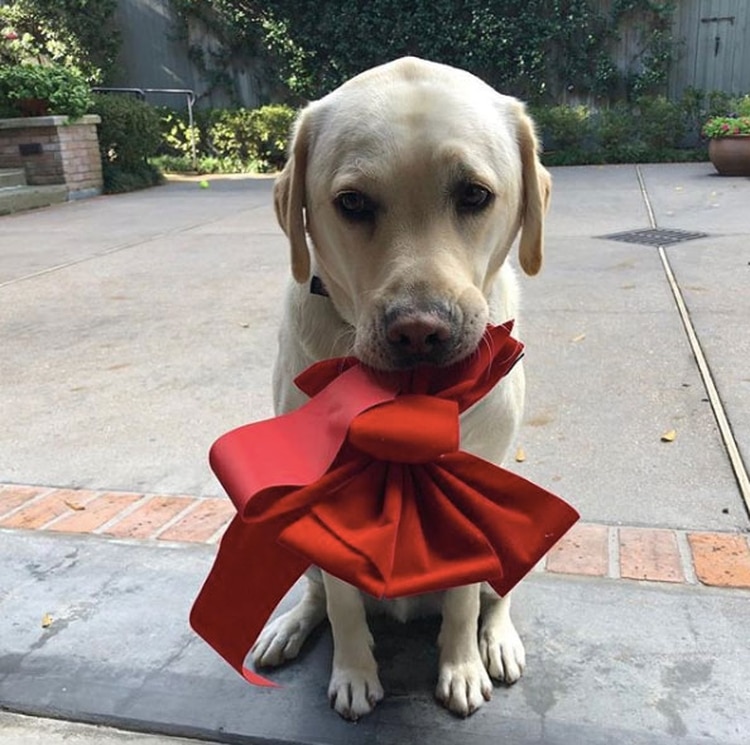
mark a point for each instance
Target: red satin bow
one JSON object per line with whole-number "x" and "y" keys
{"x": 367, "y": 482}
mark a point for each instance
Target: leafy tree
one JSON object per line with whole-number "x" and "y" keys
{"x": 75, "y": 33}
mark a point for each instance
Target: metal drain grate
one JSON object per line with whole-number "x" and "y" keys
{"x": 655, "y": 236}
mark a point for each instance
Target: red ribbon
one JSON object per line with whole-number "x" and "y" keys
{"x": 367, "y": 482}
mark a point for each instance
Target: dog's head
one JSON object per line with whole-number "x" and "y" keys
{"x": 412, "y": 181}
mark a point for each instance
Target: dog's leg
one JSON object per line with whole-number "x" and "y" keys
{"x": 282, "y": 639}
{"x": 499, "y": 644}
{"x": 463, "y": 683}
{"x": 355, "y": 688}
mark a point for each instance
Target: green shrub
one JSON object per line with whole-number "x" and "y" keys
{"x": 176, "y": 132}
{"x": 562, "y": 127}
{"x": 653, "y": 129}
{"x": 272, "y": 127}
{"x": 118, "y": 180}
{"x": 202, "y": 164}
{"x": 256, "y": 136}
{"x": 660, "y": 122}
{"x": 231, "y": 135}
{"x": 227, "y": 140}
{"x": 129, "y": 135}
{"x": 742, "y": 106}
{"x": 62, "y": 90}
{"x": 615, "y": 126}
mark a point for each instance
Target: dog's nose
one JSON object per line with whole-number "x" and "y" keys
{"x": 418, "y": 334}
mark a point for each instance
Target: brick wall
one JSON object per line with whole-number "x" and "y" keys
{"x": 52, "y": 151}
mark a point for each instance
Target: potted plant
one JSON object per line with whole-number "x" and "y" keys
{"x": 36, "y": 90}
{"x": 729, "y": 144}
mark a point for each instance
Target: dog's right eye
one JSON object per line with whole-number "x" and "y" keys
{"x": 354, "y": 205}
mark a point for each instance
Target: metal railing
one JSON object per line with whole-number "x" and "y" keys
{"x": 142, "y": 93}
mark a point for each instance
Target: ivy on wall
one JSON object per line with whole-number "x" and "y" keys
{"x": 539, "y": 50}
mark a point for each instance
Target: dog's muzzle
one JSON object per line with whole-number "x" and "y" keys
{"x": 420, "y": 335}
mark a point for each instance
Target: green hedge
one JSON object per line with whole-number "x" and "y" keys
{"x": 129, "y": 134}
{"x": 226, "y": 140}
{"x": 651, "y": 129}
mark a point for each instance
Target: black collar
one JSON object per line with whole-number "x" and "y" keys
{"x": 317, "y": 287}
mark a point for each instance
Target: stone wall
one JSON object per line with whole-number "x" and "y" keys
{"x": 53, "y": 151}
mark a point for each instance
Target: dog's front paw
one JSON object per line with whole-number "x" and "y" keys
{"x": 502, "y": 652}
{"x": 355, "y": 691}
{"x": 282, "y": 639}
{"x": 463, "y": 686}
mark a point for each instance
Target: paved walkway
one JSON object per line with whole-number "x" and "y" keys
{"x": 136, "y": 329}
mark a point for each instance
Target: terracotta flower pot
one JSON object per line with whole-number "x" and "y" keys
{"x": 730, "y": 155}
{"x": 33, "y": 106}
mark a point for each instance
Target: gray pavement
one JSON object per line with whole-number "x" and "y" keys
{"x": 135, "y": 329}
{"x": 19, "y": 729}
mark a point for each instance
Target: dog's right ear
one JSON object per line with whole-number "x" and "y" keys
{"x": 289, "y": 199}
{"x": 536, "y": 191}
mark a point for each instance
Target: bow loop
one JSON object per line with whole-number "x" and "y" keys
{"x": 409, "y": 429}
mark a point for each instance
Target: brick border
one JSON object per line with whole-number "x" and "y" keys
{"x": 615, "y": 552}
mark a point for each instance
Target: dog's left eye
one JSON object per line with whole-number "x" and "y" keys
{"x": 472, "y": 198}
{"x": 354, "y": 205}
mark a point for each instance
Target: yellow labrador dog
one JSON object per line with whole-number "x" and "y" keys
{"x": 403, "y": 193}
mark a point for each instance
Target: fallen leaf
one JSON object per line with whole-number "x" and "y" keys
{"x": 578, "y": 338}
{"x": 74, "y": 505}
{"x": 520, "y": 455}
{"x": 669, "y": 436}
{"x": 46, "y": 621}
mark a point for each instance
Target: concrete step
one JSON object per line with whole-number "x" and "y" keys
{"x": 19, "y": 198}
{"x": 10, "y": 177}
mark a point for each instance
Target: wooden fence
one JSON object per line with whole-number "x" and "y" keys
{"x": 713, "y": 50}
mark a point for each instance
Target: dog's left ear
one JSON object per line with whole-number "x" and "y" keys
{"x": 537, "y": 184}
{"x": 289, "y": 199}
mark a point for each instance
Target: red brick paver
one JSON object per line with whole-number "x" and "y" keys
{"x": 630, "y": 553}
{"x": 41, "y": 512}
{"x": 95, "y": 513}
{"x": 721, "y": 560}
{"x": 12, "y": 497}
{"x": 583, "y": 550}
{"x": 650, "y": 554}
{"x": 201, "y": 523}
{"x": 148, "y": 517}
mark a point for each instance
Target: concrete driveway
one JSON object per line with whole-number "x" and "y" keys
{"x": 136, "y": 329}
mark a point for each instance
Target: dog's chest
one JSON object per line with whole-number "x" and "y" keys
{"x": 406, "y": 609}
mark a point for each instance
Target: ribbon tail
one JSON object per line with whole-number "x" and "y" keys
{"x": 250, "y": 576}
